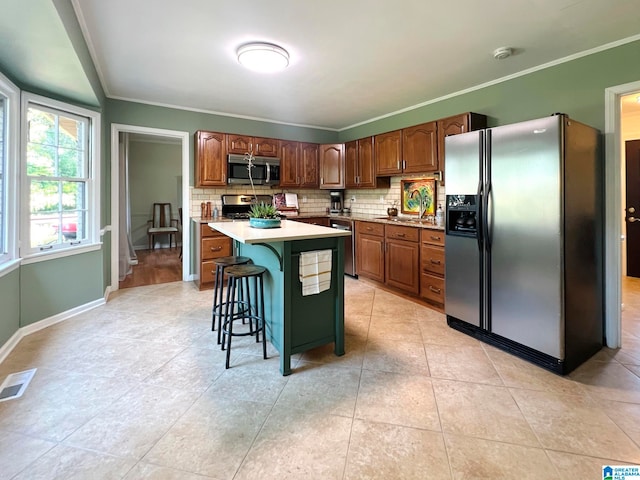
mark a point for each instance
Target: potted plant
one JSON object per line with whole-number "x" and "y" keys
{"x": 263, "y": 215}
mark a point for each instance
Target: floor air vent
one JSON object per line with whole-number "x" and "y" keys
{"x": 15, "y": 384}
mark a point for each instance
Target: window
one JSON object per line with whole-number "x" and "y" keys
{"x": 60, "y": 166}
{"x": 9, "y": 111}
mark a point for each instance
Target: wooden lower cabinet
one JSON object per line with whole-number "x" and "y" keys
{"x": 405, "y": 258}
{"x": 432, "y": 282}
{"x": 211, "y": 245}
{"x": 402, "y": 258}
{"x": 370, "y": 250}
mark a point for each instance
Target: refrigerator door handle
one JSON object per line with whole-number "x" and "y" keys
{"x": 479, "y": 233}
{"x": 489, "y": 222}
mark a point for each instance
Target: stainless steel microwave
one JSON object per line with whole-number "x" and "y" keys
{"x": 264, "y": 170}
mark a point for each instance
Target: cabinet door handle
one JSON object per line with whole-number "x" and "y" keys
{"x": 369, "y": 229}
{"x": 435, "y": 290}
{"x": 401, "y": 235}
{"x": 435, "y": 262}
{"x": 404, "y": 164}
{"x": 398, "y": 167}
{"x": 215, "y": 249}
{"x": 433, "y": 237}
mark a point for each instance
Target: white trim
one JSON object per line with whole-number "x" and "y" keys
{"x": 116, "y": 129}
{"x": 93, "y": 183}
{"x": 107, "y": 292}
{"x": 223, "y": 114}
{"x": 10, "y": 344}
{"x": 44, "y": 256}
{"x": 613, "y": 207}
{"x": 12, "y": 150}
{"x": 7, "y": 267}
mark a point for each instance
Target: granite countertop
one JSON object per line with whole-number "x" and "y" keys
{"x": 401, "y": 220}
{"x": 289, "y": 230}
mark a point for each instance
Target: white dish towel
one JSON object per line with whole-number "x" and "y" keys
{"x": 315, "y": 271}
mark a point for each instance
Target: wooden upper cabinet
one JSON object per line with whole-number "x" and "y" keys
{"x": 298, "y": 164}
{"x": 351, "y": 164}
{"x": 265, "y": 147}
{"x": 332, "y": 166}
{"x": 462, "y": 123}
{"x": 289, "y": 159}
{"x": 420, "y": 148}
{"x": 360, "y": 166}
{"x": 210, "y": 159}
{"x": 366, "y": 164}
{"x": 388, "y": 153}
{"x": 241, "y": 144}
{"x": 308, "y": 165}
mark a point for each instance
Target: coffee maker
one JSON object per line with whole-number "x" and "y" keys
{"x": 336, "y": 202}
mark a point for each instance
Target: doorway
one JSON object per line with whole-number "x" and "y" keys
{"x": 632, "y": 205}
{"x": 614, "y": 268}
{"x": 169, "y": 135}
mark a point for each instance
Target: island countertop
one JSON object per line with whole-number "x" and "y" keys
{"x": 289, "y": 230}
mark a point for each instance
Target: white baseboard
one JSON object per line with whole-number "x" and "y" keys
{"x": 10, "y": 344}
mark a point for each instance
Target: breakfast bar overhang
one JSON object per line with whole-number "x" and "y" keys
{"x": 294, "y": 322}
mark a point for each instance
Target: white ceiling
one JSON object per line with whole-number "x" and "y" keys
{"x": 351, "y": 60}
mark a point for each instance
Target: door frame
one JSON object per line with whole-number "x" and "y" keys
{"x": 613, "y": 209}
{"x": 116, "y": 129}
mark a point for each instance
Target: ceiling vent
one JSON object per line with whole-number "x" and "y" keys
{"x": 502, "y": 53}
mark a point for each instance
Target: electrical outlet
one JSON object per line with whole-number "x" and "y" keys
{"x": 381, "y": 198}
{"x": 353, "y": 198}
{"x": 304, "y": 199}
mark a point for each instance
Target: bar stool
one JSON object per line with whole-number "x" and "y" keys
{"x": 218, "y": 304}
{"x": 238, "y": 305}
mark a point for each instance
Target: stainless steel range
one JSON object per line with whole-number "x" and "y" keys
{"x": 237, "y": 207}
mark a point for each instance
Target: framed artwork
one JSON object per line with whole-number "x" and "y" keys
{"x": 415, "y": 190}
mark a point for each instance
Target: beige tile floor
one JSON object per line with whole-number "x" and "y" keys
{"x": 137, "y": 389}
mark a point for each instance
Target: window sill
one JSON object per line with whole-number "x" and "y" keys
{"x": 67, "y": 252}
{"x": 8, "y": 267}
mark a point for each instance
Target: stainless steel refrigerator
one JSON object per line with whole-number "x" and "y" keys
{"x": 524, "y": 239}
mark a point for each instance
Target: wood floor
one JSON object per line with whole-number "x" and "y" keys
{"x": 162, "y": 265}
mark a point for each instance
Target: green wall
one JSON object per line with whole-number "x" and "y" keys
{"x": 575, "y": 88}
{"x": 55, "y": 286}
{"x": 10, "y": 305}
{"x": 155, "y": 175}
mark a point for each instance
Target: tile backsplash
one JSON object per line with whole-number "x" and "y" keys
{"x": 315, "y": 202}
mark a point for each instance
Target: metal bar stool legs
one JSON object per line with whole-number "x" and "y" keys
{"x": 236, "y": 309}
{"x": 218, "y": 304}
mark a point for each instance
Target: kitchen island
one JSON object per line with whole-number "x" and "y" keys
{"x": 294, "y": 322}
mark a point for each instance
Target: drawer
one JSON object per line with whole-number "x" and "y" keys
{"x": 432, "y": 288}
{"x": 207, "y": 272}
{"x": 434, "y": 237}
{"x": 214, "y": 247}
{"x": 370, "y": 228}
{"x": 207, "y": 231}
{"x": 432, "y": 259}
{"x": 411, "y": 234}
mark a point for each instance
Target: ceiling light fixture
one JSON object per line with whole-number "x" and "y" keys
{"x": 502, "y": 53}
{"x": 263, "y": 57}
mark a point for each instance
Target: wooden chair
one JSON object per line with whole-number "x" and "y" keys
{"x": 162, "y": 224}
